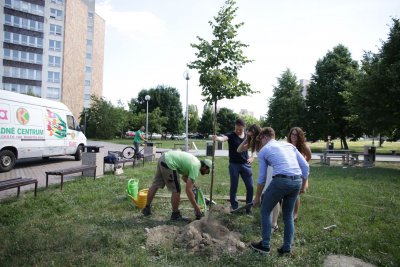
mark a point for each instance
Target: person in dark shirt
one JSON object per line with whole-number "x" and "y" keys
{"x": 239, "y": 164}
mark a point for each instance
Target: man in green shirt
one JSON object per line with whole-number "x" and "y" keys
{"x": 136, "y": 141}
{"x": 169, "y": 167}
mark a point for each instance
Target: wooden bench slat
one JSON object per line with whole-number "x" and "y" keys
{"x": 17, "y": 183}
{"x": 76, "y": 169}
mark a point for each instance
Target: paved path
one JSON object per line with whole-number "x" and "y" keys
{"x": 36, "y": 168}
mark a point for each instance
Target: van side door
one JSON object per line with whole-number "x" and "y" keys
{"x": 72, "y": 140}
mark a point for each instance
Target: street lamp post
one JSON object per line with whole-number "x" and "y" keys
{"x": 147, "y": 98}
{"x": 186, "y": 75}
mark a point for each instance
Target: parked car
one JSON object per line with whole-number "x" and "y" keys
{"x": 155, "y": 136}
{"x": 130, "y": 134}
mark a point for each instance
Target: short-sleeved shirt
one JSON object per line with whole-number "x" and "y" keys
{"x": 137, "y": 136}
{"x": 234, "y": 141}
{"x": 184, "y": 163}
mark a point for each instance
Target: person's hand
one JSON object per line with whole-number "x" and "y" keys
{"x": 250, "y": 160}
{"x": 256, "y": 201}
{"x": 197, "y": 212}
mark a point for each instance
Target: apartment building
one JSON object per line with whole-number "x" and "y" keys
{"x": 53, "y": 49}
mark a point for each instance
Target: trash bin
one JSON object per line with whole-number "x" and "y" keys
{"x": 330, "y": 146}
{"x": 149, "y": 144}
{"x": 93, "y": 157}
{"x": 209, "y": 149}
{"x": 372, "y": 153}
{"x": 219, "y": 147}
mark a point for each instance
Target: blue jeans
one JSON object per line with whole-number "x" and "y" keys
{"x": 288, "y": 190}
{"x": 247, "y": 176}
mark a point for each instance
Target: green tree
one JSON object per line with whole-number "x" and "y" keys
{"x": 374, "y": 99}
{"x": 155, "y": 121}
{"x": 286, "y": 106}
{"x": 103, "y": 119}
{"x": 167, "y": 99}
{"x": 226, "y": 120}
{"x": 193, "y": 120}
{"x": 328, "y": 113}
{"x": 250, "y": 120}
{"x": 218, "y": 63}
{"x": 206, "y": 121}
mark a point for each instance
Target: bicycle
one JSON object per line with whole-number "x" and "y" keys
{"x": 129, "y": 152}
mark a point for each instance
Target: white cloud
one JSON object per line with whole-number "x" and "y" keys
{"x": 135, "y": 25}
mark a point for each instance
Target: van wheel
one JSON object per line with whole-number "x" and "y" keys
{"x": 7, "y": 160}
{"x": 78, "y": 153}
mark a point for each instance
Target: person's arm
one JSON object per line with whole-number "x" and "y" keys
{"x": 257, "y": 198}
{"x": 305, "y": 168}
{"x": 244, "y": 146}
{"x": 220, "y": 138}
{"x": 190, "y": 195}
{"x": 307, "y": 152}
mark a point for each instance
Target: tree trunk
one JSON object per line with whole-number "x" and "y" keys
{"x": 344, "y": 142}
{"x": 213, "y": 153}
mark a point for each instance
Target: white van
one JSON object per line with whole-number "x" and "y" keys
{"x": 36, "y": 127}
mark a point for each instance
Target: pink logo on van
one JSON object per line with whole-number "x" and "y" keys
{"x": 22, "y": 116}
{"x": 3, "y": 114}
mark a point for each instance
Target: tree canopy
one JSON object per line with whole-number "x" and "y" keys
{"x": 286, "y": 106}
{"x": 167, "y": 99}
{"x": 374, "y": 99}
{"x": 327, "y": 110}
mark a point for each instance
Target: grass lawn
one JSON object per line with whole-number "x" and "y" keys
{"x": 93, "y": 223}
{"x": 356, "y": 146}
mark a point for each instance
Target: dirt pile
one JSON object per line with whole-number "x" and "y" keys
{"x": 205, "y": 236}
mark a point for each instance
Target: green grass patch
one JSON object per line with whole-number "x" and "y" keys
{"x": 93, "y": 223}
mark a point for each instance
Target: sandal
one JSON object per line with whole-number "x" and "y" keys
{"x": 275, "y": 228}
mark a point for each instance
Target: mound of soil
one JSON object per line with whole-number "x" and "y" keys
{"x": 342, "y": 260}
{"x": 205, "y": 236}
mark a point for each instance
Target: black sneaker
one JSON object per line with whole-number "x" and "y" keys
{"x": 177, "y": 216}
{"x": 147, "y": 210}
{"x": 257, "y": 246}
{"x": 282, "y": 252}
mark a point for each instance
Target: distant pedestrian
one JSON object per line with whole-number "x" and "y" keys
{"x": 139, "y": 137}
{"x": 290, "y": 171}
{"x": 239, "y": 164}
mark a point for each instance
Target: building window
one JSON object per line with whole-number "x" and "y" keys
{"x": 58, "y": 2}
{"x": 22, "y": 73}
{"x": 87, "y": 96}
{"x": 54, "y": 45}
{"x": 56, "y": 13}
{"x": 90, "y": 28}
{"x": 87, "y": 82}
{"x": 88, "y": 56}
{"x": 53, "y": 93}
{"x": 88, "y": 69}
{"x": 54, "y": 61}
{"x": 53, "y": 77}
{"x": 7, "y": 37}
{"x": 55, "y": 29}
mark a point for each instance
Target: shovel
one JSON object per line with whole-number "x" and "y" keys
{"x": 248, "y": 205}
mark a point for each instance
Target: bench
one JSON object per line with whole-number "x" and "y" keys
{"x": 119, "y": 160}
{"x": 17, "y": 182}
{"x": 70, "y": 171}
{"x": 182, "y": 146}
{"x": 327, "y": 158}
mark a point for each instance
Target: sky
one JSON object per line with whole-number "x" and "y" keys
{"x": 147, "y": 43}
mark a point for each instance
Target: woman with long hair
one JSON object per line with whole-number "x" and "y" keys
{"x": 296, "y": 137}
{"x": 253, "y": 144}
